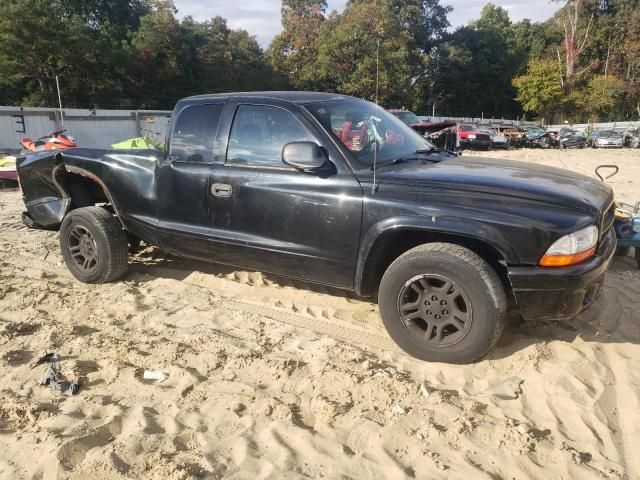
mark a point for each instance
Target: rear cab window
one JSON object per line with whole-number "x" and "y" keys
{"x": 194, "y": 133}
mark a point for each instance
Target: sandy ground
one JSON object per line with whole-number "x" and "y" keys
{"x": 270, "y": 378}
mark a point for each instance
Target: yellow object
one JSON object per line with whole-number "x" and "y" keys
{"x": 622, "y": 215}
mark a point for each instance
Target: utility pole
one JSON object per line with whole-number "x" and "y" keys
{"x": 60, "y": 101}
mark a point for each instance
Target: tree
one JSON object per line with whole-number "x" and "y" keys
{"x": 601, "y": 98}
{"x": 479, "y": 61}
{"x": 292, "y": 51}
{"x": 365, "y": 42}
{"x": 539, "y": 90}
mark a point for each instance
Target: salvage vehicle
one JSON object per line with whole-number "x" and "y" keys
{"x": 609, "y": 139}
{"x": 633, "y": 136}
{"x": 444, "y": 135}
{"x": 569, "y": 138}
{"x": 334, "y": 190}
{"x": 423, "y": 127}
{"x": 472, "y": 138}
{"x": 407, "y": 117}
{"x": 498, "y": 140}
{"x": 537, "y": 137}
{"x": 515, "y": 135}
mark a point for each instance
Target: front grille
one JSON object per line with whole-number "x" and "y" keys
{"x": 480, "y": 137}
{"x": 608, "y": 216}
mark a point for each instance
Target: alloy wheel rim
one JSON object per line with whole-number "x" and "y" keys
{"x": 83, "y": 249}
{"x": 435, "y": 310}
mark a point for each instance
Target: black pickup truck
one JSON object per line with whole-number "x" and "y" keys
{"x": 335, "y": 190}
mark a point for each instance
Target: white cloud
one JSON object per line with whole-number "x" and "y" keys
{"x": 262, "y": 17}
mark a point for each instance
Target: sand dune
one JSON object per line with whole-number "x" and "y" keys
{"x": 272, "y": 378}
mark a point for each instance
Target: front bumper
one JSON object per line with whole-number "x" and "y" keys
{"x": 561, "y": 293}
{"x": 609, "y": 145}
{"x": 475, "y": 143}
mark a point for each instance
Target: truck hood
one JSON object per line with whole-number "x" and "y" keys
{"x": 503, "y": 177}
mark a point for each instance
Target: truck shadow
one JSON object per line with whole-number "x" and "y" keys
{"x": 614, "y": 318}
{"x": 155, "y": 263}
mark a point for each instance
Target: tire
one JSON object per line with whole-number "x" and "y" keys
{"x": 476, "y": 284}
{"x": 94, "y": 245}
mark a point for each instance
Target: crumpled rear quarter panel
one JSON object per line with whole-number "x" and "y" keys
{"x": 46, "y": 201}
{"x": 126, "y": 177}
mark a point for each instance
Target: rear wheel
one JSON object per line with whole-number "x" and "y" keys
{"x": 94, "y": 245}
{"x": 441, "y": 302}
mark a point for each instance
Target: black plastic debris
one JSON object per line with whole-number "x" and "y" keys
{"x": 54, "y": 378}
{"x": 46, "y": 358}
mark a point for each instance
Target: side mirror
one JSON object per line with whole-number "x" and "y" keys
{"x": 307, "y": 157}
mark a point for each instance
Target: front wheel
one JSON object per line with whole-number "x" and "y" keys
{"x": 441, "y": 302}
{"x": 94, "y": 245}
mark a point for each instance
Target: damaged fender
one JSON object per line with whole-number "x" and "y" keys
{"x": 126, "y": 178}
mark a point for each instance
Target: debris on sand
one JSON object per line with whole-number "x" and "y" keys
{"x": 155, "y": 375}
{"x": 54, "y": 378}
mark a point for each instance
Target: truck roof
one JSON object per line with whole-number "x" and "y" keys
{"x": 291, "y": 96}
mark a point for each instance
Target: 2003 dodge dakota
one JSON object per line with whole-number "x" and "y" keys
{"x": 335, "y": 190}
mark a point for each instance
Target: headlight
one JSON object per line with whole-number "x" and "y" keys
{"x": 571, "y": 249}
{"x": 472, "y": 136}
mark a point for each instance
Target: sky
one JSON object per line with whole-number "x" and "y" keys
{"x": 262, "y": 17}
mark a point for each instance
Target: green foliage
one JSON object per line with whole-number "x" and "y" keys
{"x": 477, "y": 64}
{"x": 602, "y": 97}
{"x": 539, "y": 89}
{"x": 346, "y": 59}
{"x": 582, "y": 63}
{"x": 293, "y": 51}
{"x": 121, "y": 53}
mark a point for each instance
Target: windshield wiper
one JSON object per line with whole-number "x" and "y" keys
{"x": 429, "y": 150}
{"x": 394, "y": 162}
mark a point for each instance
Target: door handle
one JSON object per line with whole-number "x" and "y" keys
{"x": 221, "y": 190}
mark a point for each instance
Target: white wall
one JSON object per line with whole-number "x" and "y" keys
{"x": 95, "y": 129}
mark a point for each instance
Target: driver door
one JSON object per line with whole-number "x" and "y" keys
{"x": 270, "y": 217}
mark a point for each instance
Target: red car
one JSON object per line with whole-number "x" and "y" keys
{"x": 470, "y": 137}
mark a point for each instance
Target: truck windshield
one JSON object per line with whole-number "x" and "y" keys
{"x": 364, "y": 127}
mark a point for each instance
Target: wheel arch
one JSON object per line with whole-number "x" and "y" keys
{"x": 76, "y": 177}
{"x": 388, "y": 240}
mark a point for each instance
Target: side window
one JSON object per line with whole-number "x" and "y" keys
{"x": 194, "y": 134}
{"x": 259, "y": 133}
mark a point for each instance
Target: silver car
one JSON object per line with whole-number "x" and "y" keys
{"x": 609, "y": 139}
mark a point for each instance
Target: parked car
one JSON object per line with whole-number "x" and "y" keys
{"x": 333, "y": 190}
{"x": 407, "y": 117}
{"x": 569, "y": 138}
{"x": 515, "y": 135}
{"x": 537, "y": 137}
{"x": 634, "y": 137}
{"x": 472, "y": 138}
{"x": 498, "y": 140}
{"x": 609, "y": 139}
